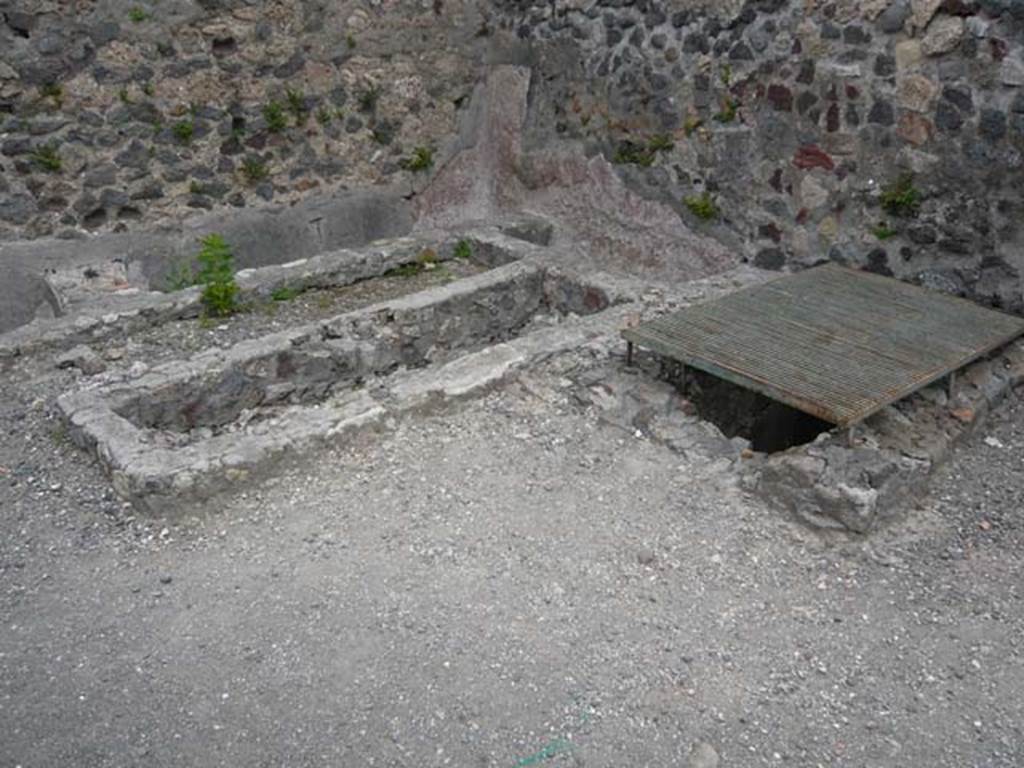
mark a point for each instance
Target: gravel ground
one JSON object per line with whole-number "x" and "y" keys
{"x": 509, "y": 582}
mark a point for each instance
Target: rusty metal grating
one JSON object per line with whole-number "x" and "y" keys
{"x": 834, "y": 342}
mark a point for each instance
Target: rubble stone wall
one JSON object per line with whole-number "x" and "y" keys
{"x": 117, "y": 115}
{"x": 880, "y": 133}
{"x": 799, "y": 119}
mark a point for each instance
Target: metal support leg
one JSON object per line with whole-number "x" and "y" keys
{"x": 851, "y": 436}
{"x": 952, "y": 385}
{"x": 629, "y": 353}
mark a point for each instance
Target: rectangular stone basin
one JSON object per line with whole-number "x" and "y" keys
{"x": 185, "y": 428}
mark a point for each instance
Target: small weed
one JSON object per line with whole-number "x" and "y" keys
{"x": 369, "y": 98}
{"x": 324, "y": 300}
{"x": 702, "y": 206}
{"x": 148, "y": 89}
{"x": 273, "y": 114}
{"x": 631, "y": 153}
{"x": 53, "y": 91}
{"x": 183, "y": 131}
{"x": 285, "y": 293}
{"x": 728, "y": 112}
{"x": 254, "y": 170}
{"x": 217, "y": 276}
{"x": 883, "y": 231}
{"x": 324, "y": 116}
{"x": 901, "y": 198}
{"x": 196, "y": 188}
{"x": 644, "y": 155}
{"x": 660, "y": 143}
{"x": 692, "y": 124}
{"x": 297, "y": 105}
{"x": 726, "y": 74}
{"x": 463, "y": 250}
{"x": 427, "y": 257}
{"x": 124, "y": 96}
{"x": 350, "y": 41}
{"x": 137, "y": 14}
{"x": 47, "y": 157}
{"x": 422, "y": 159}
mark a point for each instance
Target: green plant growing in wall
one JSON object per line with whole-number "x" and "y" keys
{"x": 350, "y": 41}
{"x": 254, "y": 170}
{"x": 47, "y": 157}
{"x": 273, "y": 115}
{"x": 883, "y": 231}
{"x": 728, "y": 112}
{"x": 660, "y": 142}
{"x": 901, "y": 198}
{"x": 148, "y": 89}
{"x": 368, "y": 98}
{"x": 217, "y": 276}
{"x": 324, "y": 116}
{"x": 196, "y": 187}
{"x": 421, "y": 159}
{"x": 137, "y": 14}
{"x": 631, "y": 153}
{"x": 463, "y": 250}
{"x": 297, "y": 105}
{"x": 702, "y": 206}
{"x": 53, "y": 91}
{"x": 183, "y": 131}
{"x": 692, "y": 124}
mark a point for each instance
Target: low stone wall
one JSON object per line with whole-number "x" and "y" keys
{"x": 184, "y": 430}
{"x": 109, "y": 314}
{"x": 861, "y": 486}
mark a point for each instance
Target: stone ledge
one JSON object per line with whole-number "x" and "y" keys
{"x": 126, "y": 313}
{"x": 859, "y": 487}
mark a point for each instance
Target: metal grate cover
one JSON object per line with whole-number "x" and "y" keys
{"x": 834, "y": 342}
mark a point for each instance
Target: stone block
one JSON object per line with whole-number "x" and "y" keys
{"x": 943, "y": 35}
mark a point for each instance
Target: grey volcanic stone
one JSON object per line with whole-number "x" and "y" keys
{"x": 84, "y": 359}
{"x": 882, "y": 113}
{"x": 893, "y": 18}
{"x": 992, "y": 125}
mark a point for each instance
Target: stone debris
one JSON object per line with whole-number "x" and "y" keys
{"x": 84, "y": 359}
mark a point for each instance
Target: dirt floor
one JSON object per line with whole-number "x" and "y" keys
{"x": 508, "y": 582}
